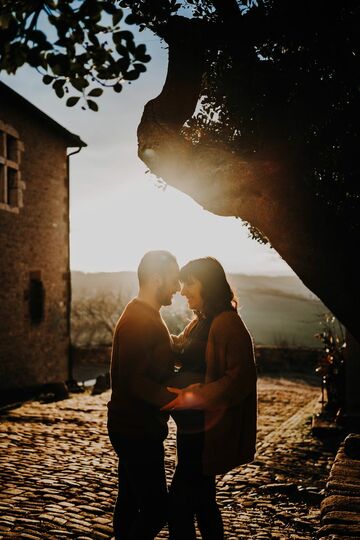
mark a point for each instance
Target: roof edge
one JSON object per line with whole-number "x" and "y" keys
{"x": 73, "y": 140}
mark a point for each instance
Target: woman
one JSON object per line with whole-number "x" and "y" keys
{"x": 216, "y": 414}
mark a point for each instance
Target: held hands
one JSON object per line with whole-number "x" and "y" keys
{"x": 186, "y": 398}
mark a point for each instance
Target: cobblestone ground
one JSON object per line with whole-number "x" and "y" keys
{"x": 58, "y": 476}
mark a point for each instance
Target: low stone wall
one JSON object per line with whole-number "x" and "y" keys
{"x": 99, "y": 356}
{"x": 271, "y": 360}
{"x": 281, "y": 359}
{"x": 89, "y": 363}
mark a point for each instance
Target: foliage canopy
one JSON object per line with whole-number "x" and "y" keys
{"x": 260, "y": 101}
{"x": 278, "y": 71}
{"x": 76, "y": 45}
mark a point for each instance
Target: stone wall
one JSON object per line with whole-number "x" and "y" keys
{"x": 269, "y": 360}
{"x": 282, "y": 359}
{"x": 34, "y": 251}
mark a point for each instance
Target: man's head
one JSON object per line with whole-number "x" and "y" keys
{"x": 158, "y": 271}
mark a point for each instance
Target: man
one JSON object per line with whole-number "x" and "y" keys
{"x": 141, "y": 363}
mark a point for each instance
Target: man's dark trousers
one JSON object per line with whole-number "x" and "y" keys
{"x": 141, "y": 508}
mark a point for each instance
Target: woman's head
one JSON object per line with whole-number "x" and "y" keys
{"x": 205, "y": 285}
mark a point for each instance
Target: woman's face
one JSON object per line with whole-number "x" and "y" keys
{"x": 192, "y": 291}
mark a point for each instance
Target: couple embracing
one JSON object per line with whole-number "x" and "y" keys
{"x": 205, "y": 378}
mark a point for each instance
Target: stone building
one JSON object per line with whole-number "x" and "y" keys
{"x": 34, "y": 246}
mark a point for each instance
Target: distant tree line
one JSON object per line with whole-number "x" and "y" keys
{"x": 93, "y": 318}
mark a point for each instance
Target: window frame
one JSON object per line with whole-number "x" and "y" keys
{"x": 11, "y": 184}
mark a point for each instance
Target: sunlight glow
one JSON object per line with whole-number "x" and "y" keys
{"x": 122, "y": 231}
{"x": 117, "y": 212}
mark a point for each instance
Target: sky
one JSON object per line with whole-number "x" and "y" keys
{"x": 117, "y": 209}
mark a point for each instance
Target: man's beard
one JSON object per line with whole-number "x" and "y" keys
{"x": 163, "y": 296}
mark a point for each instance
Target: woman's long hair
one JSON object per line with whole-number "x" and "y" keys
{"x": 216, "y": 292}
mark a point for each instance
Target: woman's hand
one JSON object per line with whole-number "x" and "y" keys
{"x": 178, "y": 342}
{"x": 186, "y": 398}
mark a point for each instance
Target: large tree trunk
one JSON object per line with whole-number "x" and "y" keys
{"x": 266, "y": 191}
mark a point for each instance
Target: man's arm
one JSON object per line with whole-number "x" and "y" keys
{"x": 134, "y": 367}
{"x": 150, "y": 391}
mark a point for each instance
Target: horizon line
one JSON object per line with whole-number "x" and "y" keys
{"x": 237, "y": 272}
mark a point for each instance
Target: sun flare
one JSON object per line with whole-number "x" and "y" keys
{"x": 141, "y": 216}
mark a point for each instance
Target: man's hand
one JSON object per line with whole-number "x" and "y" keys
{"x": 186, "y": 398}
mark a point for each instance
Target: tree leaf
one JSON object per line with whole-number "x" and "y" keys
{"x": 47, "y": 79}
{"x": 79, "y": 83}
{"x": 116, "y": 18}
{"x": 95, "y": 92}
{"x": 109, "y": 8}
{"x": 59, "y": 91}
{"x": 141, "y": 49}
{"x": 122, "y": 50}
{"x": 37, "y": 36}
{"x": 131, "y": 75}
{"x": 143, "y": 58}
{"x": 131, "y": 19}
{"x": 71, "y": 101}
{"x": 119, "y": 36}
{"x": 59, "y": 83}
{"x": 139, "y": 67}
{"x": 92, "y": 105}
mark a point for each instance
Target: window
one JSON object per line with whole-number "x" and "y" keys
{"x": 36, "y": 298}
{"x": 11, "y": 186}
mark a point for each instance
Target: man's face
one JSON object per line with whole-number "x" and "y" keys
{"x": 169, "y": 286}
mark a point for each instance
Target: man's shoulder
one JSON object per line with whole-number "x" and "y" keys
{"x": 136, "y": 308}
{"x": 130, "y": 308}
{"x": 127, "y": 312}
{"x": 137, "y": 316}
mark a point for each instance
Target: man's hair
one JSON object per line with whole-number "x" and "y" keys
{"x": 154, "y": 262}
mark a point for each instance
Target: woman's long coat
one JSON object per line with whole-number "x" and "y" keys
{"x": 228, "y": 395}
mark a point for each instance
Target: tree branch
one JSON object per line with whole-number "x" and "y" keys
{"x": 176, "y": 102}
{"x": 265, "y": 189}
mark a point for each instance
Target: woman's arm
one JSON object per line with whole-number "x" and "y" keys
{"x": 179, "y": 340}
{"x": 233, "y": 343}
{"x": 239, "y": 377}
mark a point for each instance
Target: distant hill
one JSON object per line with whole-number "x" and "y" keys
{"x": 103, "y": 283}
{"x": 278, "y": 310}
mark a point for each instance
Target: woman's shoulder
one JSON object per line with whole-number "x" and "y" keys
{"x": 229, "y": 325}
{"x": 227, "y": 319}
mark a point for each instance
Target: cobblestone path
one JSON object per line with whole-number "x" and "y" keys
{"x": 58, "y": 471}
